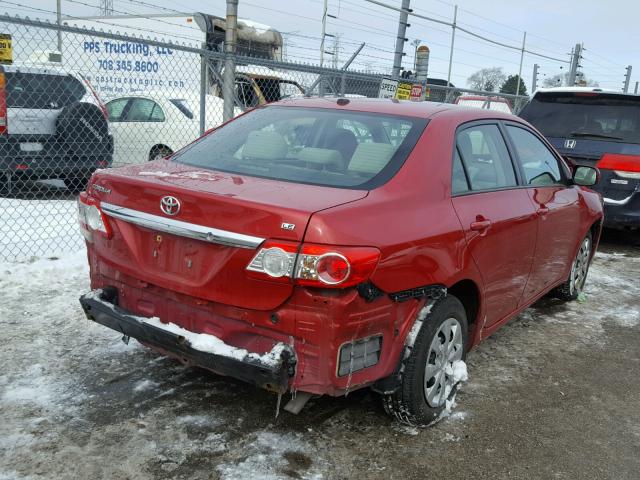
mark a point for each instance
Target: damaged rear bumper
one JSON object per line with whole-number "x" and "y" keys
{"x": 272, "y": 370}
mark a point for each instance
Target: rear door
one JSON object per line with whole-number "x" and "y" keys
{"x": 498, "y": 217}
{"x": 34, "y": 101}
{"x": 556, "y": 204}
{"x": 137, "y": 125}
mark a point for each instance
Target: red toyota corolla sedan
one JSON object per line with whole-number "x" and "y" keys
{"x": 320, "y": 246}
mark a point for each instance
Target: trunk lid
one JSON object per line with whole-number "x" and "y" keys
{"x": 251, "y": 207}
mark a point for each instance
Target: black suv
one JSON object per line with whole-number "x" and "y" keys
{"x": 52, "y": 125}
{"x": 590, "y": 126}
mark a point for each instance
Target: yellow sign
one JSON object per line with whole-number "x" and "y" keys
{"x": 403, "y": 92}
{"x": 6, "y": 52}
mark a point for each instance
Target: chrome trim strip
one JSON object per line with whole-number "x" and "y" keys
{"x": 183, "y": 229}
{"x": 610, "y": 201}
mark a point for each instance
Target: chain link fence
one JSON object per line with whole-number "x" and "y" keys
{"x": 106, "y": 100}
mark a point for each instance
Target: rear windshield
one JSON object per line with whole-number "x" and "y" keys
{"x": 586, "y": 115}
{"x": 41, "y": 91}
{"x": 309, "y": 145}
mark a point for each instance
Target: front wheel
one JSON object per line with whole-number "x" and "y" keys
{"x": 573, "y": 287}
{"x": 432, "y": 370}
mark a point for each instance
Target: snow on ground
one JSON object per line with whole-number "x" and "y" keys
{"x": 38, "y": 228}
{"x": 76, "y": 402}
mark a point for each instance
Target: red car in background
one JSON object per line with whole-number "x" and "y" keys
{"x": 323, "y": 246}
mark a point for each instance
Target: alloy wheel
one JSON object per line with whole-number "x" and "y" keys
{"x": 580, "y": 266}
{"x": 445, "y": 349}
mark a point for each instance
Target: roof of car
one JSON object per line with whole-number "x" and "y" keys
{"x": 580, "y": 90}
{"x": 394, "y": 107}
{"x": 41, "y": 68}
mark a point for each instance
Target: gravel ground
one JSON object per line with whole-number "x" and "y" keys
{"x": 554, "y": 394}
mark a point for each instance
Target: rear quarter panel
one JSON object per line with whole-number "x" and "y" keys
{"x": 410, "y": 219}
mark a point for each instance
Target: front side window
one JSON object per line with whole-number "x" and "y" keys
{"x": 486, "y": 158}
{"x": 309, "y": 145}
{"x": 539, "y": 165}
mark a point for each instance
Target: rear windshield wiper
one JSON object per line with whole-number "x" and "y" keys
{"x": 597, "y": 135}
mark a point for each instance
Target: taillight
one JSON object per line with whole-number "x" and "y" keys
{"x": 313, "y": 265}
{"x": 626, "y": 166}
{"x": 92, "y": 218}
{"x": 4, "y": 120}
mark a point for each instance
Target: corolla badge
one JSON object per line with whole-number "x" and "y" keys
{"x": 170, "y": 205}
{"x": 569, "y": 143}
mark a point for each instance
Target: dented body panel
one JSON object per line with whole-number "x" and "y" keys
{"x": 422, "y": 234}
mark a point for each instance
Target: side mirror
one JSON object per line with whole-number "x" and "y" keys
{"x": 586, "y": 176}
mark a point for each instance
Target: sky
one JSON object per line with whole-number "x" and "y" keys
{"x": 608, "y": 31}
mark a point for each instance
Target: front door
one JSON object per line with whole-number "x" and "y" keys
{"x": 498, "y": 218}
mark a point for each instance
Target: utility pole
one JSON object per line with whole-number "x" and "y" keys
{"x": 627, "y": 79}
{"x": 575, "y": 63}
{"x": 453, "y": 41}
{"x": 230, "y": 41}
{"x": 635, "y": 90}
{"x": 336, "y": 51}
{"x": 524, "y": 41}
{"x": 402, "y": 31}
{"x": 534, "y": 81}
{"x": 59, "y": 22}
{"x": 324, "y": 29}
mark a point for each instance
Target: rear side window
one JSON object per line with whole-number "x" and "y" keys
{"x": 459, "y": 183}
{"x": 183, "y": 106}
{"x": 486, "y": 158}
{"x": 322, "y": 146}
{"x": 589, "y": 115}
{"x": 540, "y": 166}
{"x": 41, "y": 91}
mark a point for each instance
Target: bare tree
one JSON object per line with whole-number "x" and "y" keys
{"x": 487, "y": 79}
{"x": 562, "y": 80}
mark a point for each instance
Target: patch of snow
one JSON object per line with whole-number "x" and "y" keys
{"x": 38, "y": 228}
{"x": 266, "y": 459}
{"x": 204, "y": 342}
{"x": 145, "y": 385}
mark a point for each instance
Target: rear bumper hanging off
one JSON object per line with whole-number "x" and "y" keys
{"x": 271, "y": 371}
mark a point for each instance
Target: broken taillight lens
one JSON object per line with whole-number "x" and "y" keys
{"x": 626, "y": 166}
{"x": 313, "y": 265}
{"x": 92, "y": 218}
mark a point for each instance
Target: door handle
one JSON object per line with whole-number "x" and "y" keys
{"x": 542, "y": 210}
{"x": 480, "y": 225}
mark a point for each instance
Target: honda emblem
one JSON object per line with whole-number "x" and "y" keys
{"x": 170, "y": 205}
{"x": 570, "y": 143}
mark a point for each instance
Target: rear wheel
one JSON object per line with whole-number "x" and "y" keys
{"x": 573, "y": 287}
{"x": 430, "y": 376}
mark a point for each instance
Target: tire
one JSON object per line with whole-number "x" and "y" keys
{"x": 158, "y": 153}
{"x": 83, "y": 131}
{"x": 573, "y": 287}
{"x": 420, "y": 402}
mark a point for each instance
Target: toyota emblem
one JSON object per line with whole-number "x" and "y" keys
{"x": 170, "y": 205}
